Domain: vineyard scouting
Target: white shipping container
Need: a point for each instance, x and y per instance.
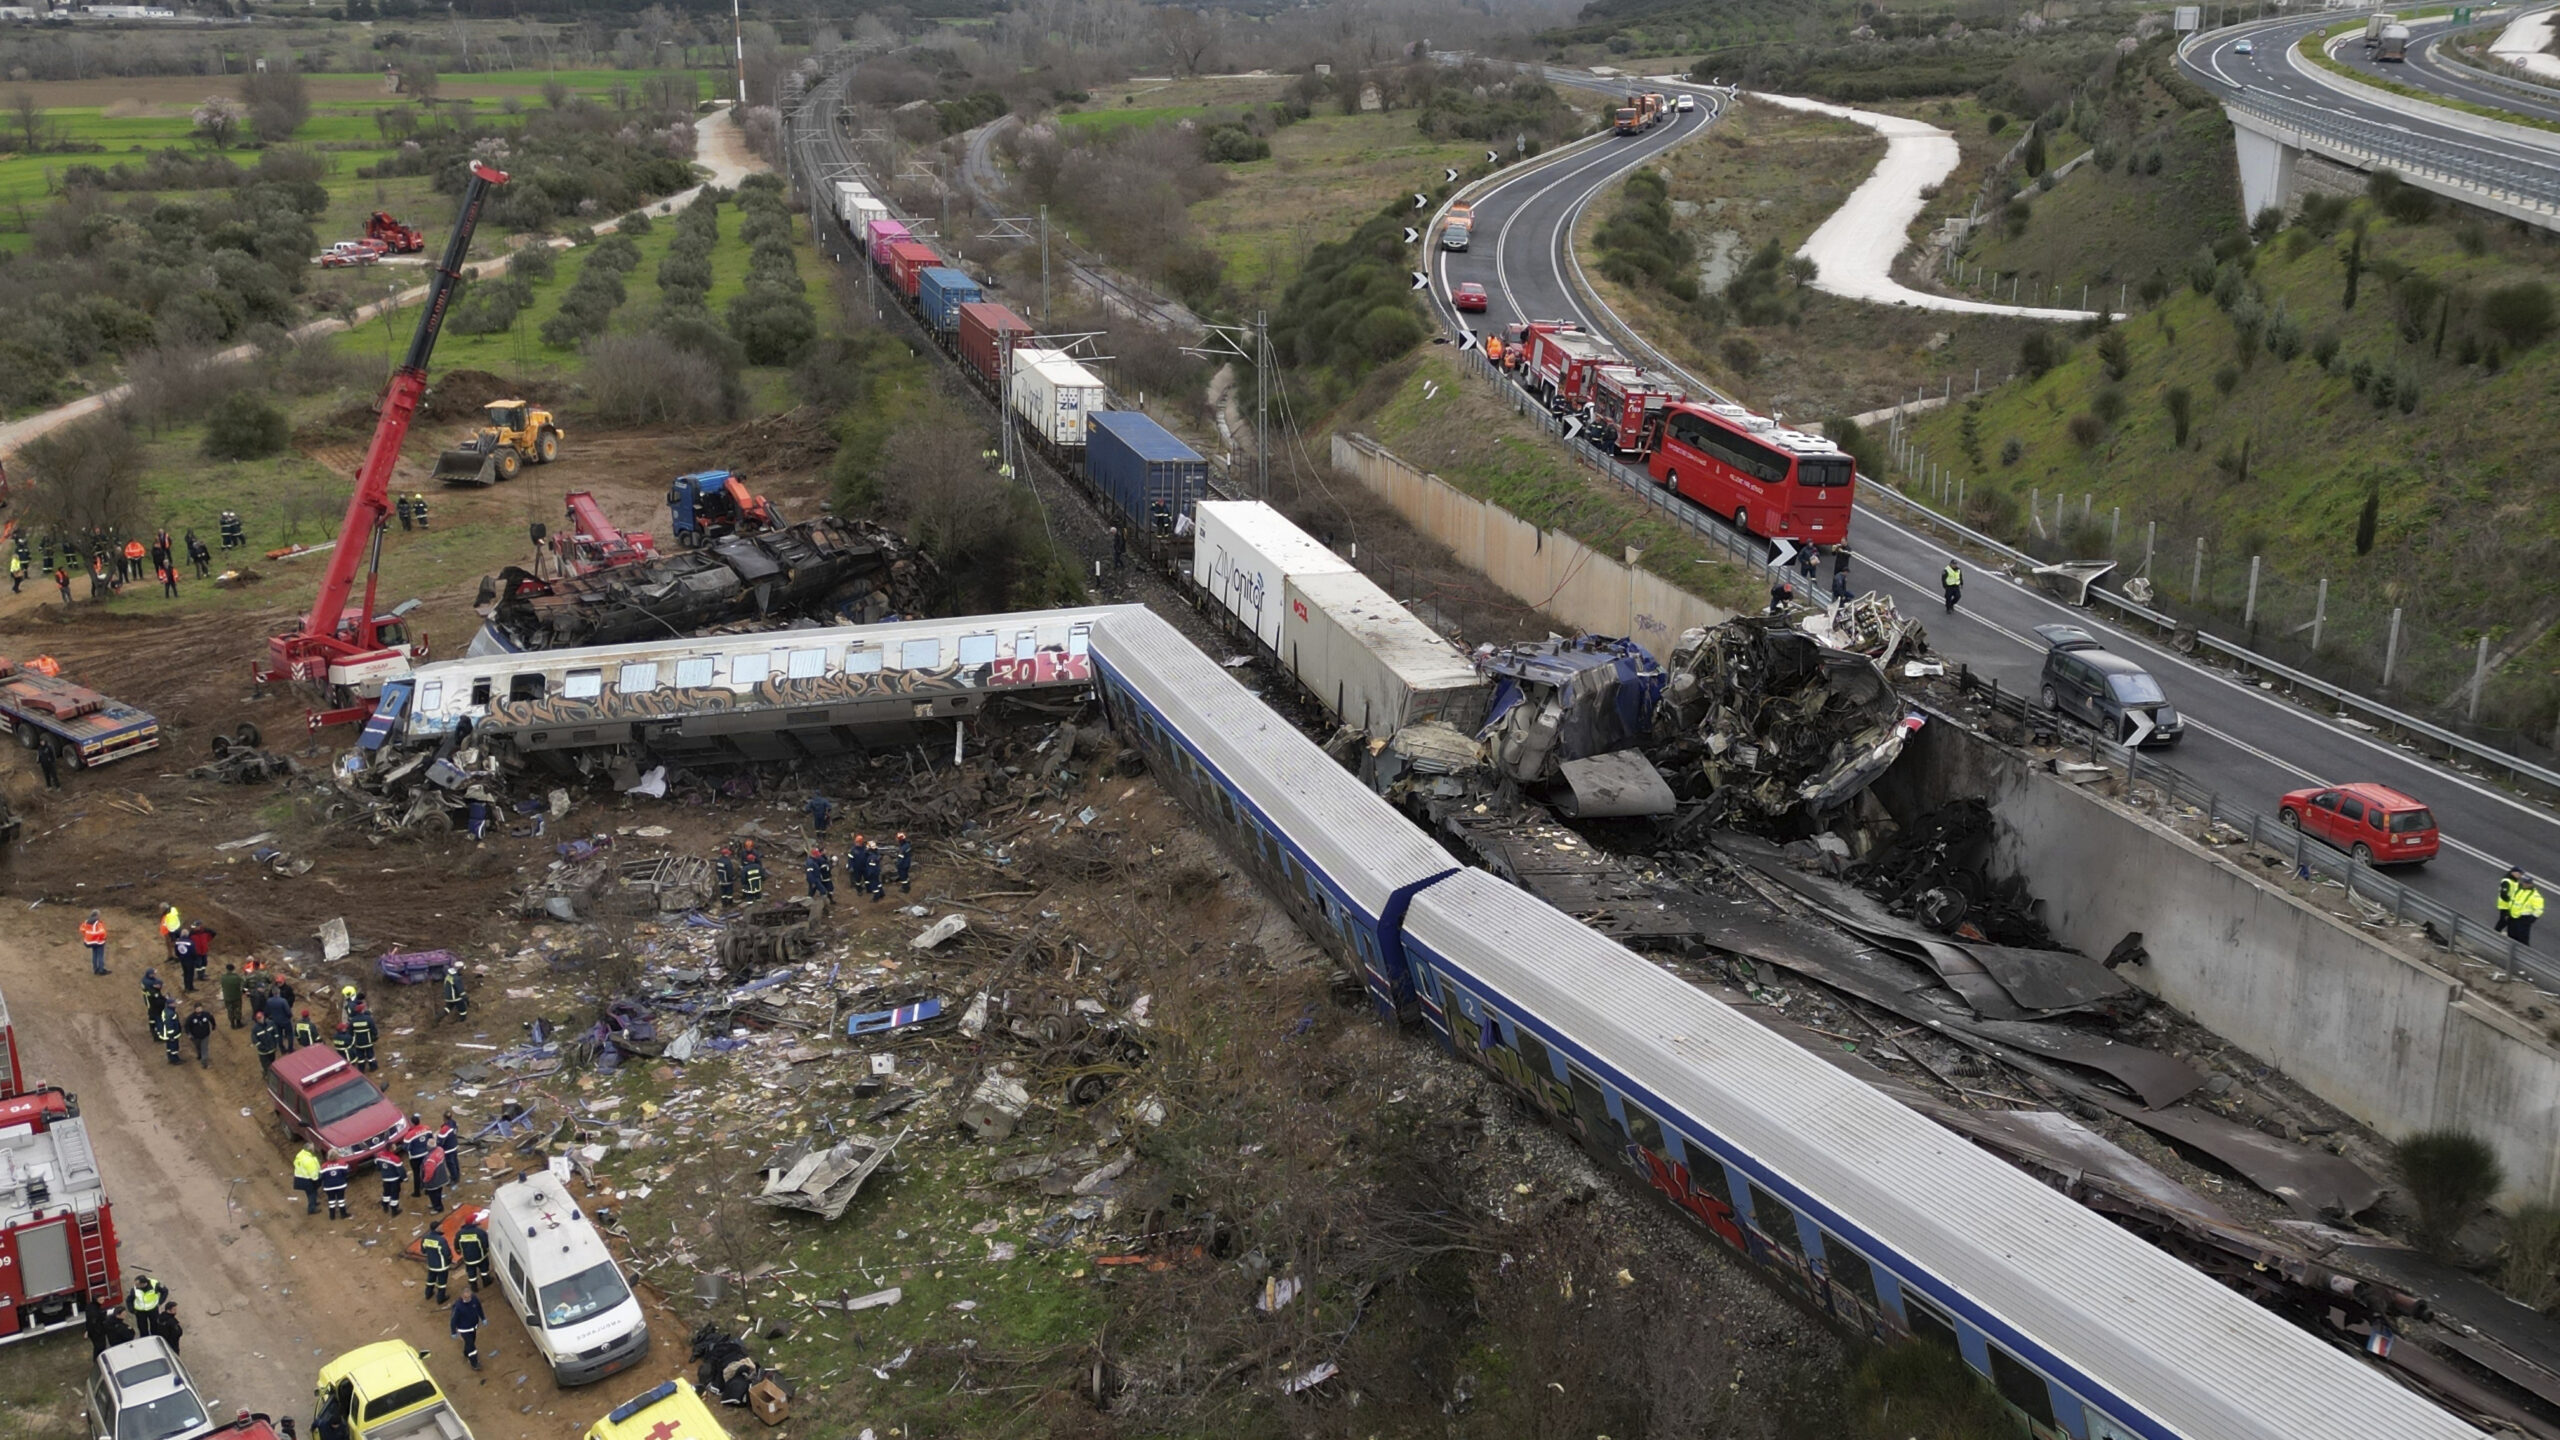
(848, 194)
(1243, 556)
(1371, 662)
(1055, 393)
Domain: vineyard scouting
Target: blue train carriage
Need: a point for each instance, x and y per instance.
(1866, 1209)
(1340, 859)
(1146, 472)
(940, 292)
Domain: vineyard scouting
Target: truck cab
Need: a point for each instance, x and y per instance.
(383, 1392)
(328, 1104)
(562, 1280)
(673, 1409)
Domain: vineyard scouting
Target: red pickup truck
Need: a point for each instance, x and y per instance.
(329, 1103)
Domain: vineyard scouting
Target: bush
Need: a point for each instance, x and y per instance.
(2012, 450)
(534, 263)
(635, 223)
(244, 427)
(648, 379)
(1234, 145)
(2040, 352)
(2115, 354)
(2226, 380)
(2181, 405)
(2087, 430)
(1740, 353)
(2399, 199)
(2321, 214)
(2529, 1266)
(486, 309)
(2324, 349)
(2108, 404)
(2369, 519)
(2449, 1175)
(772, 326)
(2521, 312)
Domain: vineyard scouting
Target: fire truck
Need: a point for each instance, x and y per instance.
(1624, 404)
(1561, 362)
(57, 1231)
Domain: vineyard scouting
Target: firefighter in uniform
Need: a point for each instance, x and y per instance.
(449, 1140)
(305, 1032)
(343, 1040)
(263, 1035)
(165, 1030)
(471, 1245)
(457, 1001)
(388, 1167)
(467, 1316)
(906, 860)
(439, 1258)
(306, 1178)
(724, 874)
(821, 874)
(420, 1144)
(751, 876)
(434, 1173)
(418, 507)
(872, 868)
(361, 1037)
(333, 1187)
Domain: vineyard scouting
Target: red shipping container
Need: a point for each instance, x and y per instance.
(983, 327)
(908, 260)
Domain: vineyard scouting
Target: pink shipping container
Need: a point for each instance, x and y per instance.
(877, 235)
(983, 327)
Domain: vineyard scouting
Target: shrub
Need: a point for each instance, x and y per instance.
(2369, 518)
(2108, 404)
(648, 379)
(2529, 1266)
(244, 427)
(684, 272)
(2521, 312)
(2399, 199)
(485, 310)
(774, 326)
(2324, 349)
(2181, 405)
(2015, 215)
(536, 262)
(2321, 214)
(1234, 145)
(1740, 353)
(635, 223)
(2226, 380)
(2115, 354)
(2087, 430)
(2449, 1175)
(2040, 352)
(2011, 450)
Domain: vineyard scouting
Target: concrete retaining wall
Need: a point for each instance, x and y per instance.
(1547, 569)
(2390, 1040)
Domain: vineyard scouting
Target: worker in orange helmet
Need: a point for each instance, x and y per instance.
(906, 861)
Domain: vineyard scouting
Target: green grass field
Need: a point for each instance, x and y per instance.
(1103, 122)
(1326, 174)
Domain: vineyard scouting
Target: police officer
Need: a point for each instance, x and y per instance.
(471, 1246)
(165, 1030)
(333, 1186)
(1952, 582)
(2508, 885)
(362, 1034)
(820, 871)
(262, 1034)
(724, 874)
(467, 1316)
(457, 1001)
(306, 1178)
(751, 875)
(200, 1032)
(147, 1302)
(2526, 908)
(906, 861)
(388, 1167)
(305, 1031)
(420, 1144)
(439, 1257)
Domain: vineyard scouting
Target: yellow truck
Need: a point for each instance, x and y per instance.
(673, 1411)
(383, 1392)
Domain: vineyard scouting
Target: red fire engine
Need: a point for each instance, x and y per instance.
(57, 1233)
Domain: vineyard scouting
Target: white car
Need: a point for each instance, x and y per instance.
(139, 1391)
(1685, 102)
(2245, 47)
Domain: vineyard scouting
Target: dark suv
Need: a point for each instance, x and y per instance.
(2105, 690)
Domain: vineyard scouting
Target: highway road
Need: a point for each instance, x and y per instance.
(2219, 66)
(2248, 744)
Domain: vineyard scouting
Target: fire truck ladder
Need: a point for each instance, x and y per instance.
(80, 1166)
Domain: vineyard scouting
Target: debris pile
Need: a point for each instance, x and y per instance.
(1560, 700)
(1760, 720)
(1937, 871)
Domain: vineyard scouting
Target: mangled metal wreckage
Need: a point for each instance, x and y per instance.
(1760, 721)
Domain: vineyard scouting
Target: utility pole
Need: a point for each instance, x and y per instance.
(1044, 266)
(738, 36)
(1262, 396)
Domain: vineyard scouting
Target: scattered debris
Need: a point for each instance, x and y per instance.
(1759, 719)
(824, 1181)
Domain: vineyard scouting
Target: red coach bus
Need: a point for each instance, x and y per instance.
(1766, 478)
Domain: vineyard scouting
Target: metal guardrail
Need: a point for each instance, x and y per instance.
(2312, 859)
(2418, 157)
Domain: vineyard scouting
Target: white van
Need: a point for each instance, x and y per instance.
(561, 1278)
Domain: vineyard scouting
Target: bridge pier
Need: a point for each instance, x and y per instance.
(2286, 148)
(2269, 154)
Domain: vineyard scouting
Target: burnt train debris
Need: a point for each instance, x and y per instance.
(1760, 720)
(853, 571)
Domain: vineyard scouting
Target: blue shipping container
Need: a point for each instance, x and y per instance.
(941, 291)
(1139, 464)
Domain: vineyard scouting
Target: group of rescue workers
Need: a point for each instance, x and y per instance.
(738, 872)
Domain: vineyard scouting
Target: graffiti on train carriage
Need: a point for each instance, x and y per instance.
(1048, 667)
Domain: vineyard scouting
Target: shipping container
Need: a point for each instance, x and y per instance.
(907, 262)
(858, 207)
(941, 291)
(1151, 476)
(878, 236)
(984, 328)
(1370, 662)
(1243, 556)
(1055, 394)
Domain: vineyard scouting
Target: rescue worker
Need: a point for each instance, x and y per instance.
(724, 876)
(49, 760)
(119, 1329)
(434, 1174)
(233, 991)
(305, 1032)
(2526, 909)
(133, 553)
(751, 875)
(93, 933)
(457, 1000)
(343, 1040)
(1493, 350)
(95, 1317)
(362, 1034)
(418, 507)
(232, 531)
(263, 1036)
(182, 948)
(2508, 885)
(820, 872)
(260, 985)
(471, 1246)
(1952, 582)
(170, 928)
(168, 582)
(165, 1029)
(17, 572)
(280, 1010)
(821, 811)
(1781, 595)
(1160, 516)
(147, 1302)
(306, 1177)
(906, 861)
(420, 1144)
(200, 1032)
(389, 1168)
(333, 1186)
(467, 1316)
(438, 1254)
(201, 557)
(202, 935)
(349, 998)
(402, 509)
(1119, 549)
(62, 584)
(152, 999)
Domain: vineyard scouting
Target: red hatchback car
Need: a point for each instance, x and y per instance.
(1469, 296)
(2375, 823)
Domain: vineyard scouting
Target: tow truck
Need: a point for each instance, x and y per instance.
(711, 504)
(90, 728)
(593, 542)
(348, 651)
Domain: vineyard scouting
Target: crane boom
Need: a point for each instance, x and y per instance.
(330, 641)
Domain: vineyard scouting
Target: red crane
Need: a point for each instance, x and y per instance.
(351, 651)
(596, 543)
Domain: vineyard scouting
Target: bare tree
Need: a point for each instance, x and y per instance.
(1186, 36)
(84, 479)
(939, 481)
(26, 114)
(278, 100)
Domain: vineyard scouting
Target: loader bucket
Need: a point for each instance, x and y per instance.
(467, 466)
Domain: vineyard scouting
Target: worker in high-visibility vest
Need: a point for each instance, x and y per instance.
(93, 933)
(2508, 885)
(170, 927)
(2523, 911)
(306, 1178)
(1952, 582)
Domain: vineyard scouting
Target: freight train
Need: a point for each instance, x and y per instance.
(1754, 470)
